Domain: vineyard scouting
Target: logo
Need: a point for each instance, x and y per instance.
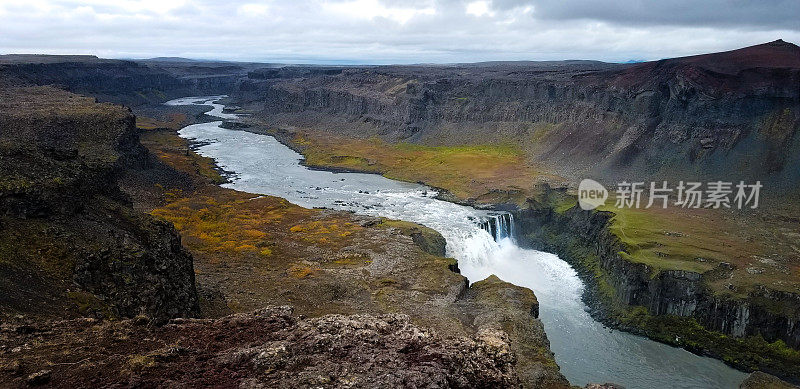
(591, 194)
(687, 194)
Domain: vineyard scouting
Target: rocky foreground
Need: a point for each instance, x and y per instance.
(268, 348)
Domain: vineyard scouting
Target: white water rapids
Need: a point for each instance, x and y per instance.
(585, 350)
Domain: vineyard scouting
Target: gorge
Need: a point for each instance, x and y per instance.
(259, 164)
(486, 155)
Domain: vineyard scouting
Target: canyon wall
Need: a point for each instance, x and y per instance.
(71, 242)
(725, 116)
(120, 81)
(674, 306)
(669, 292)
(691, 118)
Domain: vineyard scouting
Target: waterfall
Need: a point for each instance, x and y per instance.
(499, 226)
(511, 228)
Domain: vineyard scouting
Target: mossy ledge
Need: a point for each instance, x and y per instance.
(757, 332)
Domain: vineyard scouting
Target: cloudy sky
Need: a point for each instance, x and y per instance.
(382, 31)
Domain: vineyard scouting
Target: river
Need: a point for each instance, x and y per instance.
(585, 350)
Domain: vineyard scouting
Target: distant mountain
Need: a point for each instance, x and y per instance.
(775, 54)
(170, 59)
(49, 58)
(770, 56)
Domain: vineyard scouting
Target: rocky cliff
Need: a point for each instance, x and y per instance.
(120, 81)
(673, 306)
(691, 117)
(71, 242)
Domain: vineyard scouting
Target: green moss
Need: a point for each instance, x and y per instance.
(543, 197)
(750, 353)
(404, 226)
(15, 184)
(780, 125)
(140, 362)
(466, 171)
(563, 206)
(443, 151)
(541, 130)
(89, 304)
(672, 244)
(347, 161)
(427, 239)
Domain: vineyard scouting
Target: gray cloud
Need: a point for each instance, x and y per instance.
(381, 31)
(775, 14)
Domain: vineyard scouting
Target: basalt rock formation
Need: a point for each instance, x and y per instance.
(693, 116)
(71, 243)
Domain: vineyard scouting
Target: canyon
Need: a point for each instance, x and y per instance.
(510, 136)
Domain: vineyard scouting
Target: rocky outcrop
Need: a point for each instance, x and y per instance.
(267, 348)
(71, 242)
(144, 270)
(493, 304)
(759, 380)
